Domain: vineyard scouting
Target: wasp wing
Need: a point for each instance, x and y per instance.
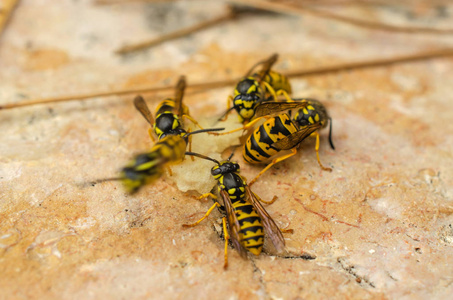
(141, 106)
(271, 229)
(179, 94)
(266, 66)
(267, 108)
(233, 224)
(294, 139)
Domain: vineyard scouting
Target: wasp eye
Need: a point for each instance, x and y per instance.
(215, 171)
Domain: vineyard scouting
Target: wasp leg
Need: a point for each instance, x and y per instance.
(207, 195)
(271, 90)
(151, 134)
(192, 120)
(204, 217)
(190, 145)
(227, 237)
(277, 160)
(287, 230)
(267, 202)
(169, 171)
(225, 116)
(317, 154)
(285, 94)
(245, 127)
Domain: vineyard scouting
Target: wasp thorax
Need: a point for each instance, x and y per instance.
(166, 122)
(244, 85)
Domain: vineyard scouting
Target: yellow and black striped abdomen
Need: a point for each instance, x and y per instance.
(251, 231)
(258, 147)
(168, 105)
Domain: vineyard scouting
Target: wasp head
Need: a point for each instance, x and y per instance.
(223, 168)
(177, 131)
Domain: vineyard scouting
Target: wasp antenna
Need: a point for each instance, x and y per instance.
(234, 150)
(92, 183)
(224, 114)
(203, 157)
(203, 130)
(330, 134)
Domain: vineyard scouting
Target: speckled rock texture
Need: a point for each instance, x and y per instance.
(378, 226)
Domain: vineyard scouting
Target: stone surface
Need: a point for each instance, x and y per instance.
(379, 225)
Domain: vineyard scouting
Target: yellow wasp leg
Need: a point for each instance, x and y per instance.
(284, 93)
(271, 90)
(207, 195)
(151, 134)
(227, 237)
(229, 100)
(287, 230)
(266, 202)
(245, 127)
(169, 171)
(317, 154)
(204, 217)
(192, 120)
(277, 160)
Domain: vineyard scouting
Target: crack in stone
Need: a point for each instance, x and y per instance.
(390, 275)
(350, 270)
(305, 256)
(262, 283)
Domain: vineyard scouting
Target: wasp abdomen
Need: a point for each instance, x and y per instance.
(258, 146)
(252, 232)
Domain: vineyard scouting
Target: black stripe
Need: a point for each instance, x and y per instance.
(165, 108)
(255, 146)
(248, 156)
(251, 220)
(280, 127)
(255, 238)
(247, 208)
(256, 247)
(253, 229)
(264, 137)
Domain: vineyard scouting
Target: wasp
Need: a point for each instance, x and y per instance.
(169, 113)
(248, 221)
(255, 87)
(172, 140)
(282, 132)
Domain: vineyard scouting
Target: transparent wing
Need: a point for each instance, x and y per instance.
(266, 66)
(233, 224)
(271, 107)
(294, 139)
(141, 106)
(271, 229)
(179, 95)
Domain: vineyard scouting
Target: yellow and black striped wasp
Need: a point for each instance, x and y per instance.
(172, 140)
(169, 113)
(283, 133)
(257, 87)
(280, 132)
(248, 221)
